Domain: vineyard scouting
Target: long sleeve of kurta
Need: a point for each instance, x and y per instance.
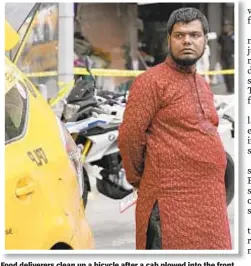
(143, 103)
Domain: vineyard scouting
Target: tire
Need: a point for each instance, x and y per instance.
(85, 196)
(229, 179)
(86, 188)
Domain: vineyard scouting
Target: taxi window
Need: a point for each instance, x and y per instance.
(15, 111)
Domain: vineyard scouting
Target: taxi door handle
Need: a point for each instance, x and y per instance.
(25, 190)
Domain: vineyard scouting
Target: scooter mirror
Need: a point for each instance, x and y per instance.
(88, 63)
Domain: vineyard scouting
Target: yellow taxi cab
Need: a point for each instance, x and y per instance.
(43, 172)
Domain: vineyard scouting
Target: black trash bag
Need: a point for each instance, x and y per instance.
(111, 190)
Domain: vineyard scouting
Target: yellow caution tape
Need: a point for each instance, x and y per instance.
(65, 87)
(119, 73)
(61, 94)
(108, 72)
(61, 83)
(218, 72)
(134, 73)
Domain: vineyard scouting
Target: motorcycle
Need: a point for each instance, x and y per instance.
(225, 107)
(96, 131)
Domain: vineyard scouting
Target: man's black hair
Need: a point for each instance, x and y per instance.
(186, 15)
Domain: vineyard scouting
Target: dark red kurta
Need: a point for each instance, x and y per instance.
(171, 150)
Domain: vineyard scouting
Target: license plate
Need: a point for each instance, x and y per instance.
(128, 201)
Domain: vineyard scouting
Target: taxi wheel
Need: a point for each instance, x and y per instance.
(61, 246)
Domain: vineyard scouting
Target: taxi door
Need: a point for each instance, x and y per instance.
(23, 195)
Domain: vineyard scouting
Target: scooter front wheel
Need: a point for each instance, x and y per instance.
(86, 188)
(229, 179)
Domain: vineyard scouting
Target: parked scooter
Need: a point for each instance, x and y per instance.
(83, 101)
(97, 132)
(225, 107)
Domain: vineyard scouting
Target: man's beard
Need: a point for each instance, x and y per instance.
(185, 62)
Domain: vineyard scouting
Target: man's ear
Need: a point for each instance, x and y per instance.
(168, 41)
(206, 39)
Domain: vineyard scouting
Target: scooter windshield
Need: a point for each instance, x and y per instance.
(82, 91)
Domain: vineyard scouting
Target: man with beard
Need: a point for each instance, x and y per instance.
(171, 150)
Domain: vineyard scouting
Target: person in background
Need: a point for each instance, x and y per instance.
(203, 64)
(171, 150)
(226, 41)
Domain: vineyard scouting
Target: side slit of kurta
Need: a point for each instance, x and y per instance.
(154, 234)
